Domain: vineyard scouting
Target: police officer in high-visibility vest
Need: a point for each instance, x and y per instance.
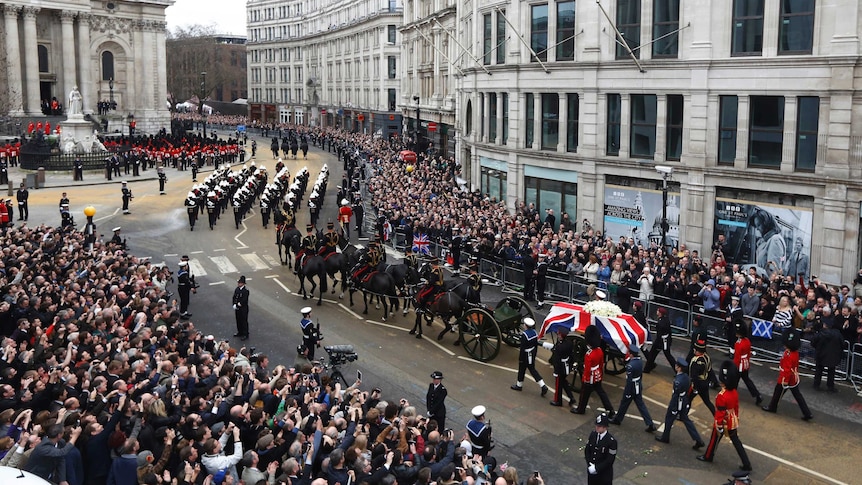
(527, 357)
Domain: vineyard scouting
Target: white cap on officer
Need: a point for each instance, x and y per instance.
(529, 322)
(305, 310)
(116, 229)
(344, 202)
(478, 411)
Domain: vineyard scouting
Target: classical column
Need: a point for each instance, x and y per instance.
(161, 70)
(486, 116)
(31, 62)
(563, 117)
(537, 121)
(85, 80)
(13, 58)
(146, 75)
(499, 138)
(68, 32)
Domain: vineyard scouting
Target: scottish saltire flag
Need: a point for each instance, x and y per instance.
(421, 245)
(620, 331)
(761, 328)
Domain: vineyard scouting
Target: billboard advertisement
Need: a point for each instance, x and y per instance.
(771, 237)
(634, 212)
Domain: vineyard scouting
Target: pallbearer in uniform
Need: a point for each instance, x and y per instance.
(634, 390)
(527, 357)
(594, 371)
(561, 360)
(727, 416)
(699, 372)
(742, 360)
(679, 405)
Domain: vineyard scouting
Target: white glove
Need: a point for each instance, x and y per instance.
(234, 306)
(592, 469)
(548, 345)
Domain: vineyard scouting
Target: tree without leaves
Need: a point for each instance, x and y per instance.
(191, 51)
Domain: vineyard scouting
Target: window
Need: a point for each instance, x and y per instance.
(664, 28)
(612, 146)
(494, 183)
(796, 31)
(500, 44)
(469, 116)
(629, 25)
(747, 28)
(391, 98)
(392, 68)
(539, 31)
(673, 148)
(43, 58)
(550, 121)
(727, 123)
(505, 107)
(766, 131)
(390, 34)
(566, 31)
(643, 125)
(487, 39)
(551, 194)
(530, 118)
(492, 117)
(573, 104)
(807, 121)
(107, 65)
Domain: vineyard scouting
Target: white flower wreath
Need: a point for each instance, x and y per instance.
(603, 308)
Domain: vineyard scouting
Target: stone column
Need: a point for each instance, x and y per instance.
(67, 17)
(486, 116)
(85, 81)
(31, 62)
(563, 130)
(147, 74)
(499, 139)
(13, 58)
(537, 121)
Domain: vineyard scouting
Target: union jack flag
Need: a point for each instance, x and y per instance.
(421, 245)
(618, 331)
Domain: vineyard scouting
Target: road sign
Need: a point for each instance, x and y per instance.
(432, 126)
(360, 117)
(323, 111)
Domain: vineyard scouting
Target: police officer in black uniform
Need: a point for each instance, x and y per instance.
(127, 197)
(541, 279)
(600, 453)
(194, 170)
(435, 399)
(184, 288)
(23, 208)
(79, 169)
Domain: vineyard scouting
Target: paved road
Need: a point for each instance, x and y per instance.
(530, 434)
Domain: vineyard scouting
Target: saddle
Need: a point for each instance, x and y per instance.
(326, 258)
(367, 277)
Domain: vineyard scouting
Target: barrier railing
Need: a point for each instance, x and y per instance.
(855, 366)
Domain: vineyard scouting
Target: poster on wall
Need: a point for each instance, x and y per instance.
(635, 213)
(770, 237)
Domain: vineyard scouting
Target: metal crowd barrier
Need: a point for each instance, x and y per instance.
(855, 366)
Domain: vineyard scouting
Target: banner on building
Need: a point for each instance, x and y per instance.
(636, 213)
(770, 237)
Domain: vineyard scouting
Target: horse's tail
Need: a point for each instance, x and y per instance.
(321, 273)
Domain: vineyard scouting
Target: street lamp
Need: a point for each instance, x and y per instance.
(90, 228)
(416, 128)
(111, 91)
(666, 173)
(203, 97)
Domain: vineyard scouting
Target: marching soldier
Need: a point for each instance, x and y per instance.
(435, 399)
(634, 390)
(309, 334)
(560, 358)
(699, 371)
(194, 170)
(237, 210)
(163, 178)
(264, 210)
(788, 376)
(330, 240)
(594, 365)
(662, 342)
(600, 453)
(184, 288)
(527, 357)
(212, 208)
(127, 197)
(192, 209)
(742, 360)
(344, 215)
(726, 416)
(679, 405)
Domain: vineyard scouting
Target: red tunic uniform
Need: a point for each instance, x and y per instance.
(344, 214)
(727, 409)
(742, 354)
(788, 373)
(594, 366)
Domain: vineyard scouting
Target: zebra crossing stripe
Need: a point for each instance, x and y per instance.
(196, 268)
(224, 265)
(272, 260)
(254, 261)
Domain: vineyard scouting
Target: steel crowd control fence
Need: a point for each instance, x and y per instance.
(855, 367)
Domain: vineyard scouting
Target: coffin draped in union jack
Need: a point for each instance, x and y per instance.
(620, 331)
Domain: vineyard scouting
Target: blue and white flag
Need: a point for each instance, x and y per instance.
(761, 328)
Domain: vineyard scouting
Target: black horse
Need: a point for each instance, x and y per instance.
(378, 283)
(311, 266)
(406, 278)
(287, 237)
(338, 264)
(467, 297)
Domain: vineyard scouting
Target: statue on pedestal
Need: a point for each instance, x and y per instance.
(76, 103)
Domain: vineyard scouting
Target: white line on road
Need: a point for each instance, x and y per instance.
(116, 211)
(216, 283)
(254, 261)
(217, 250)
(271, 260)
(282, 286)
(196, 268)
(348, 310)
(196, 252)
(236, 238)
(224, 264)
(794, 465)
(172, 255)
(272, 276)
(508, 369)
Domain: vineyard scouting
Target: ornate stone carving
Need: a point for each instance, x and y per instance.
(99, 23)
(84, 18)
(31, 12)
(66, 16)
(11, 10)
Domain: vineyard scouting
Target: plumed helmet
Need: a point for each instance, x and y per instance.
(728, 375)
(792, 338)
(592, 336)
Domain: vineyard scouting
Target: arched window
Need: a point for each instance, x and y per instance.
(107, 65)
(43, 58)
(469, 127)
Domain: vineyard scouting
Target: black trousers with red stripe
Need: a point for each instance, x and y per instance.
(734, 438)
(561, 385)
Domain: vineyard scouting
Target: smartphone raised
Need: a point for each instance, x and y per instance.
(359, 375)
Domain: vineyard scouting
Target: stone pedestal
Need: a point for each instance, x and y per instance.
(78, 136)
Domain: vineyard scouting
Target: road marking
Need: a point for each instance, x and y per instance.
(348, 310)
(172, 255)
(236, 238)
(217, 283)
(196, 252)
(217, 250)
(282, 286)
(254, 261)
(224, 264)
(117, 210)
(794, 465)
(271, 260)
(272, 276)
(196, 268)
(509, 369)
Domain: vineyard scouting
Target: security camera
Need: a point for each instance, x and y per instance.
(664, 169)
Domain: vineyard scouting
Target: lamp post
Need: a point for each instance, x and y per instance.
(203, 97)
(111, 91)
(90, 228)
(666, 173)
(416, 127)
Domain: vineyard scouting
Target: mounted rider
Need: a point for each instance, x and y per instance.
(433, 287)
(368, 263)
(475, 279)
(330, 240)
(307, 247)
(410, 258)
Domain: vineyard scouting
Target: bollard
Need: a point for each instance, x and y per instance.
(10, 192)
(40, 178)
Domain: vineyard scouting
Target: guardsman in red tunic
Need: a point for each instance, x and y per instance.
(742, 361)
(726, 418)
(593, 373)
(788, 376)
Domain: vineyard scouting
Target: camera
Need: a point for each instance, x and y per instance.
(340, 354)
